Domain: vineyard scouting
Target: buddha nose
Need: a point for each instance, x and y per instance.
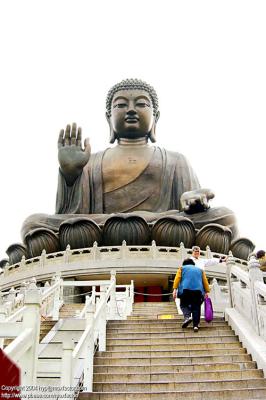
(131, 111)
(131, 108)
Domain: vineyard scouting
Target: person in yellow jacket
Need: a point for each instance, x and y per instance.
(192, 287)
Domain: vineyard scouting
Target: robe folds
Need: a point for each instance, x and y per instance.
(158, 187)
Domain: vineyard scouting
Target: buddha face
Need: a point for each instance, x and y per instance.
(132, 114)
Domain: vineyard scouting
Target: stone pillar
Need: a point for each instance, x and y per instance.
(31, 319)
(254, 275)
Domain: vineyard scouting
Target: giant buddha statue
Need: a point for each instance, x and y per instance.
(134, 191)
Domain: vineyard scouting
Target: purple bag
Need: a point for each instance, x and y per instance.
(208, 310)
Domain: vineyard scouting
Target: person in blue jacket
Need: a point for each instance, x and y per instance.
(193, 286)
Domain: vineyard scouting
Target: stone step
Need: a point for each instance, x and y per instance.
(147, 304)
(185, 386)
(174, 346)
(70, 310)
(185, 333)
(228, 394)
(165, 368)
(182, 376)
(162, 322)
(192, 339)
(154, 309)
(165, 310)
(176, 328)
(195, 352)
(155, 316)
(154, 306)
(183, 361)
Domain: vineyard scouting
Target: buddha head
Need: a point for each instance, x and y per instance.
(132, 110)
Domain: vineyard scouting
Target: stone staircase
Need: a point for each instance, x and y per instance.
(46, 326)
(149, 356)
(70, 310)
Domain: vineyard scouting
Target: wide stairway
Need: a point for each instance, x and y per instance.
(149, 356)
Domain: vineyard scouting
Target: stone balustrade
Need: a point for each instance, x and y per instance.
(95, 260)
(23, 325)
(247, 310)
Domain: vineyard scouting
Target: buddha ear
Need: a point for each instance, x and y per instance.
(113, 137)
(152, 134)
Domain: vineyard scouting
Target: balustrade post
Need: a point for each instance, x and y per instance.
(124, 250)
(31, 319)
(57, 301)
(22, 289)
(67, 362)
(2, 316)
(255, 274)
(95, 251)
(154, 250)
(128, 301)
(42, 258)
(112, 303)
(93, 294)
(182, 254)
(67, 254)
(230, 262)
(89, 352)
(102, 328)
(12, 297)
(131, 296)
(208, 253)
(22, 262)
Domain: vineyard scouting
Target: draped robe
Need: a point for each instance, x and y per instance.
(158, 187)
(153, 193)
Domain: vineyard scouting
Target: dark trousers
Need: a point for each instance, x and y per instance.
(190, 303)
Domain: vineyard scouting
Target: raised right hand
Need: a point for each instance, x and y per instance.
(72, 157)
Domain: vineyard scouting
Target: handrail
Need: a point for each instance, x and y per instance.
(104, 300)
(17, 314)
(81, 341)
(50, 291)
(20, 344)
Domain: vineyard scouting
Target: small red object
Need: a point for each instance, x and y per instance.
(9, 378)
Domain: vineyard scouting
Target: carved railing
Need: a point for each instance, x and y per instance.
(247, 292)
(12, 301)
(247, 310)
(24, 327)
(125, 259)
(94, 334)
(22, 324)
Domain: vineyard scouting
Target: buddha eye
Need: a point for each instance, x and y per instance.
(142, 104)
(120, 105)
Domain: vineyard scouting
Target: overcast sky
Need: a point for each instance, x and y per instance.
(206, 59)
